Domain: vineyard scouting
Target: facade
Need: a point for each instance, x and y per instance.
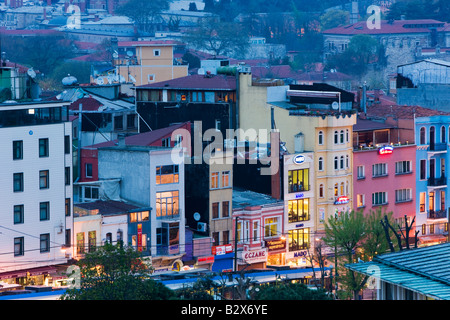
(432, 136)
(36, 168)
(155, 180)
(384, 171)
(259, 226)
(148, 62)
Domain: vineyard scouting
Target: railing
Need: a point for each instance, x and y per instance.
(298, 188)
(438, 147)
(435, 182)
(440, 214)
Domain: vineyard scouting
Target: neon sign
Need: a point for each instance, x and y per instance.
(386, 150)
(342, 200)
(299, 159)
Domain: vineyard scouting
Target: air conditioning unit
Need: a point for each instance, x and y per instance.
(201, 226)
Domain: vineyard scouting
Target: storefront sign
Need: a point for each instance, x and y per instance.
(139, 237)
(386, 150)
(299, 159)
(205, 260)
(255, 256)
(342, 200)
(300, 254)
(221, 250)
(273, 245)
(299, 195)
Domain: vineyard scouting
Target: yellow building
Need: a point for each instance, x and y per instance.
(144, 62)
(318, 121)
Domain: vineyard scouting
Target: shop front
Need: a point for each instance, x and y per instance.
(276, 252)
(252, 259)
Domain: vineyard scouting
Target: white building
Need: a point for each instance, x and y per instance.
(36, 219)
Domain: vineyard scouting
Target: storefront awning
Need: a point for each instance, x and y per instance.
(23, 273)
(432, 238)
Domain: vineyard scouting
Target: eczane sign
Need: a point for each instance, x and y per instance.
(255, 256)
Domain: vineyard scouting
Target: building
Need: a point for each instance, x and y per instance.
(384, 170)
(36, 220)
(259, 226)
(432, 136)
(149, 62)
(150, 177)
(415, 274)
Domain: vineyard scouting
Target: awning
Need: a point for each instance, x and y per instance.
(432, 238)
(23, 273)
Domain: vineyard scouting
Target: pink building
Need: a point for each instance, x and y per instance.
(383, 171)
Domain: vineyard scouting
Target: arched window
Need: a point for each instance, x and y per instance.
(347, 135)
(432, 138)
(341, 137)
(320, 137)
(342, 162)
(342, 189)
(321, 191)
(320, 164)
(336, 137)
(422, 139)
(336, 163)
(336, 189)
(347, 163)
(443, 134)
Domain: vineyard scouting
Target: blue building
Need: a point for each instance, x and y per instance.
(432, 136)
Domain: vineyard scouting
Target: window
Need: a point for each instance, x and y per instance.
(342, 162)
(321, 195)
(360, 174)
(108, 238)
(215, 210)
(68, 207)
(298, 210)
(167, 174)
(197, 96)
(131, 120)
(17, 150)
(67, 176)
(256, 231)
(216, 238)
(336, 137)
(18, 182)
(90, 193)
(165, 142)
(156, 52)
(139, 216)
(347, 162)
(379, 198)
(19, 249)
(422, 198)
(402, 167)
(225, 209)
(271, 227)
(225, 181)
(360, 201)
(18, 214)
(118, 122)
(423, 169)
(336, 163)
(88, 173)
(167, 204)
(45, 242)
(214, 180)
(298, 239)
(403, 195)
(43, 148)
(44, 179)
(320, 138)
(379, 170)
(92, 239)
(424, 229)
(80, 243)
(67, 144)
(151, 78)
(298, 180)
(44, 211)
(68, 237)
(341, 137)
(347, 135)
(443, 134)
(320, 164)
(422, 138)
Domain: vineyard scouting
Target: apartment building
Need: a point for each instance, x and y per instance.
(36, 170)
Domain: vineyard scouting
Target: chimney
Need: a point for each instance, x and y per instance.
(299, 142)
(121, 140)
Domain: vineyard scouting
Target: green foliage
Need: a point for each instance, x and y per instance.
(333, 18)
(288, 291)
(113, 272)
(420, 9)
(144, 13)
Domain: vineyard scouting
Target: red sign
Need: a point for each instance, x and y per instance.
(139, 237)
(342, 200)
(208, 259)
(223, 249)
(386, 150)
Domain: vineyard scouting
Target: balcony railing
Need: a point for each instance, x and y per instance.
(436, 182)
(298, 188)
(438, 147)
(440, 214)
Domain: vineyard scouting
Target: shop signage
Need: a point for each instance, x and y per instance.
(299, 195)
(221, 250)
(139, 237)
(300, 225)
(255, 256)
(300, 254)
(203, 260)
(273, 245)
(299, 159)
(386, 150)
(342, 200)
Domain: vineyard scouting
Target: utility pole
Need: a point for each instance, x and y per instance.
(235, 244)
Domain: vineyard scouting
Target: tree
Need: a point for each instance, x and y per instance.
(114, 272)
(144, 13)
(288, 291)
(333, 18)
(221, 38)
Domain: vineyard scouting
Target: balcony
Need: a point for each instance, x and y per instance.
(440, 214)
(437, 182)
(437, 147)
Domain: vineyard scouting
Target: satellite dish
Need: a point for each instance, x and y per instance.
(335, 105)
(31, 73)
(130, 53)
(115, 55)
(99, 81)
(196, 216)
(201, 71)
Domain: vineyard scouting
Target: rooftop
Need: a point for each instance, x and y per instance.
(246, 198)
(424, 270)
(369, 125)
(388, 27)
(107, 207)
(401, 112)
(196, 82)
